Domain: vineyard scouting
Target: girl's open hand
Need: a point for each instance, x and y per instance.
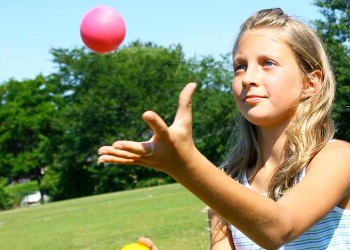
(169, 147)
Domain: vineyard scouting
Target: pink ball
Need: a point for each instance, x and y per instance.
(102, 29)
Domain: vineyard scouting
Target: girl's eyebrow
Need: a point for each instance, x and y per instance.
(239, 58)
(269, 55)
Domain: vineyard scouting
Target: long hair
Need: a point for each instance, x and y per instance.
(311, 127)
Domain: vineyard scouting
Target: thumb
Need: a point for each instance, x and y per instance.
(184, 110)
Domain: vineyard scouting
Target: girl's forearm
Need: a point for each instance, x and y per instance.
(257, 216)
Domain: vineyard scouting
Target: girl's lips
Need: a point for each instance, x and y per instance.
(253, 98)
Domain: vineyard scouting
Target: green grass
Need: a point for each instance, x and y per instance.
(169, 214)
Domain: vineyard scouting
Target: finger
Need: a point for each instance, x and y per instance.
(147, 242)
(184, 111)
(116, 160)
(156, 123)
(138, 148)
(109, 150)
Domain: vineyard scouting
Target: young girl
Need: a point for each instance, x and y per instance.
(286, 182)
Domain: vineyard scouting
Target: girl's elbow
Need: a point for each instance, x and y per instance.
(280, 236)
(272, 244)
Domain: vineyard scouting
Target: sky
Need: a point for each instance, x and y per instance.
(30, 28)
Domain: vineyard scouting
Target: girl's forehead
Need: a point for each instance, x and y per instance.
(262, 41)
(274, 36)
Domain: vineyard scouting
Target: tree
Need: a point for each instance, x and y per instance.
(106, 95)
(334, 29)
(27, 130)
(214, 110)
(58, 122)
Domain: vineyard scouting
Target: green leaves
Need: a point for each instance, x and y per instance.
(60, 121)
(26, 113)
(109, 93)
(334, 28)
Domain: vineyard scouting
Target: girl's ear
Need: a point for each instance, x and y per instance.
(312, 83)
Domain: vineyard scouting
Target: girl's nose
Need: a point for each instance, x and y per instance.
(251, 77)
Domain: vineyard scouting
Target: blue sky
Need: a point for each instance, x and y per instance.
(29, 28)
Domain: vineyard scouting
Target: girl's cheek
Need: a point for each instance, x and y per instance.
(236, 90)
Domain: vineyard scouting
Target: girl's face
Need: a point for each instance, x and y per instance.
(268, 82)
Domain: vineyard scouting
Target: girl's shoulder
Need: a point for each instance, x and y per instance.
(335, 155)
(336, 147)
(338, 142)
(331, 167)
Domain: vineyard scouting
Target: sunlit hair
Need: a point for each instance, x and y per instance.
(311, 127)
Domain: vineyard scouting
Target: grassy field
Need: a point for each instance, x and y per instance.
(169, 214)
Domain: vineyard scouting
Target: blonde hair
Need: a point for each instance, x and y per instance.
(311, 127)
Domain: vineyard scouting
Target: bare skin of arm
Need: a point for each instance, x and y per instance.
(325, 185)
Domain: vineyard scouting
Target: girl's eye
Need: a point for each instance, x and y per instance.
(269, 63)
(239, 67)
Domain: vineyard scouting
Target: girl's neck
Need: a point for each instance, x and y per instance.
(271, 144)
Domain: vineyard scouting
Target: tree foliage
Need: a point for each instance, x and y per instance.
(105, 97)
(27, 130)
(334, 29)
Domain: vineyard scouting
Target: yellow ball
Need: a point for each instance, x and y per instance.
(135, 246)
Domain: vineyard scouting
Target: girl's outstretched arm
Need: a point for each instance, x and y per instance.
(268, 223)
